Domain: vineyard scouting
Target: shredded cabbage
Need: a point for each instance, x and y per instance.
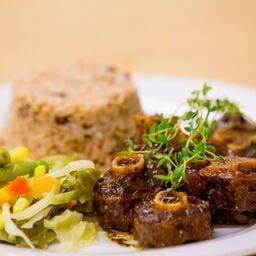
(82, 181)
(57, 161)
(11, 228)
(72, 232)
(6, 238)
(40, 215)
(35, 208)
(71, 167)
(64, 198)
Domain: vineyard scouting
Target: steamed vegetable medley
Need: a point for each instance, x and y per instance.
(46, 200)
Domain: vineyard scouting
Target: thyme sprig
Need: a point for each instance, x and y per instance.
(173, 152)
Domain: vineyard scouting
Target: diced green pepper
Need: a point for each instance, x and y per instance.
(12, 170)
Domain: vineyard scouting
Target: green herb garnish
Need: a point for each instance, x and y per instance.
(177, 142)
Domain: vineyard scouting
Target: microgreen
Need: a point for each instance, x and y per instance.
(175, 153)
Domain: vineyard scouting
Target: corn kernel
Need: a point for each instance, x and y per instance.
(20, 205)
(40, 171)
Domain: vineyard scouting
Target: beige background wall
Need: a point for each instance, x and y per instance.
(204, 38)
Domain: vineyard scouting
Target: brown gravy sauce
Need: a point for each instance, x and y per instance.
(124, 239)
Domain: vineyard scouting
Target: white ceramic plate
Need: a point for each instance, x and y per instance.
(163, 95)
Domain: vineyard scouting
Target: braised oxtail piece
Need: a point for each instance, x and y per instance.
(171, 218)
(235, 135)
(230, 187)
(143, 124)
(121, 188)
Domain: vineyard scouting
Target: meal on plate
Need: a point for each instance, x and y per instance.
(167, 184)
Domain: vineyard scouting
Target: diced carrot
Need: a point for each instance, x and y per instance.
(18, 187)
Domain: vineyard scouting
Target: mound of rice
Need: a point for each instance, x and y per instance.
(81, 109)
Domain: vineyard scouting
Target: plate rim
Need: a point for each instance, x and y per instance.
(249, 232)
